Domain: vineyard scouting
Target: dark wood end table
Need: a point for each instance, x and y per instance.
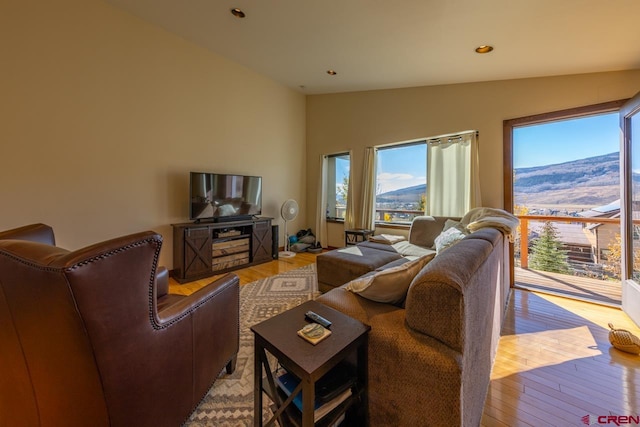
(308, 362)
(352, 237)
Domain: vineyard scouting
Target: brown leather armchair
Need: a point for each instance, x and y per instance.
(91, 337)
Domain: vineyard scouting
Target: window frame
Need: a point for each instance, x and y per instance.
(507, 148)
(420, 141)
(331, 190)
(509, 125)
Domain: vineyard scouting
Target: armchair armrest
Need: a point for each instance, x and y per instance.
(225, 290)
(162, 282)
(40, 233)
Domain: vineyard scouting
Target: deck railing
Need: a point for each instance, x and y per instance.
(389, 216)
(398, 216)
(595, 251)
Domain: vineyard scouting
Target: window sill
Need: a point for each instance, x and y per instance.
(393, 226)
(335, 220)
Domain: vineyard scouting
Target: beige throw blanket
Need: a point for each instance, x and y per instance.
(478, 218)
(388, 239)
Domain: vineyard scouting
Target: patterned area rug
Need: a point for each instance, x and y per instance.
(229, 403)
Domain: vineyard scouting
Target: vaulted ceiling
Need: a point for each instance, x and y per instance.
(380, 44)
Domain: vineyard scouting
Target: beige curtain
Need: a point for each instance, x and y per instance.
(321, 204)
(453, 184)
(349, 216)
(367, 217)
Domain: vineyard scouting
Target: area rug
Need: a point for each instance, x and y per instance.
(229, 403)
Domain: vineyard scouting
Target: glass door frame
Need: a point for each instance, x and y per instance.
(507, 151)
(630, 288)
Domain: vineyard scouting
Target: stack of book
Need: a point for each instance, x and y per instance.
(331, 390)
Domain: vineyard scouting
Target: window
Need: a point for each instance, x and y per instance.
(401, 182)
(337, 185)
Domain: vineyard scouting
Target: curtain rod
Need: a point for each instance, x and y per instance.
(450, 137)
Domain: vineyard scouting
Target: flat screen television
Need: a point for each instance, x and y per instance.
(221, 197)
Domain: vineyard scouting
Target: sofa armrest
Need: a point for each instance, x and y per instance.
(40, 233)
(436, 299)
(355, 306)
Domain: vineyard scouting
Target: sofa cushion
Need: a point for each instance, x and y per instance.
(448, 238)
(394, 263)
(377, 246)
(424, 229)
(389, 285)
(451, 223)
(403, 248)
(407, 249)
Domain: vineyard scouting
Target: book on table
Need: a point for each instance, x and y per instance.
(325, 401)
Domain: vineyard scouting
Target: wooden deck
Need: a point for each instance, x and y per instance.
(583, 288)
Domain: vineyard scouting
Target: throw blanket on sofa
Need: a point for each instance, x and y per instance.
(387, 239)
(478, 218)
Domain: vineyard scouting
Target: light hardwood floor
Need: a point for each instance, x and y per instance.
(554, 363)
(250, 274)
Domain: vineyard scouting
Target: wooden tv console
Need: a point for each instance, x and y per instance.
(203, 249)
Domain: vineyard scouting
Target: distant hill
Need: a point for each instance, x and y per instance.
(589, 182)
(403, 195)
(586, 182)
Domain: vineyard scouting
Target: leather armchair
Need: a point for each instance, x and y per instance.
(92, 337)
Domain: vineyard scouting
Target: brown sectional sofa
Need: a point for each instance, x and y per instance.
(430, 358)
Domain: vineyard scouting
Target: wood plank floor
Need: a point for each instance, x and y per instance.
(554, 363)
(601, 291)
(250, 274)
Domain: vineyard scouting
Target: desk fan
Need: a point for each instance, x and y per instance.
(288, 211)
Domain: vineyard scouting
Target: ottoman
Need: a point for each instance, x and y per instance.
(340, 266)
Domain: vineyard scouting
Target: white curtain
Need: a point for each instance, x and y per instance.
(349, 216)
(321, 204)
(367, 218)
(453, 184)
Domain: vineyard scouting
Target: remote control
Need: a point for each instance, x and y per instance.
(314, 317)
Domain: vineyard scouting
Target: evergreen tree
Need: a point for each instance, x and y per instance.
(547, 253)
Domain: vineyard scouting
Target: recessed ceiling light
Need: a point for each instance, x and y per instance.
(332, 72)
(238, 13)
(484, 49)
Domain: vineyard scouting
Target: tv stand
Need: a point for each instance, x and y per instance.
(202, 249)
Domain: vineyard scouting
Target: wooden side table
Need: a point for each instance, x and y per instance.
(308, 362)
(352, 237)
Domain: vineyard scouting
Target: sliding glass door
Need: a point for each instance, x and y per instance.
(630, 148)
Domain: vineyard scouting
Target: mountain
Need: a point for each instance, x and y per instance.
(403, 195)
(585, 182)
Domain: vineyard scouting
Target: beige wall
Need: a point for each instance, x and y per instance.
(103, 116)
(339, 122)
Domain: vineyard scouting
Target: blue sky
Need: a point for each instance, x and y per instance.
(401, 167)
(565, 140)
(536, 145)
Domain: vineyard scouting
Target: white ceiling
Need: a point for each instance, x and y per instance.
(380, 44)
